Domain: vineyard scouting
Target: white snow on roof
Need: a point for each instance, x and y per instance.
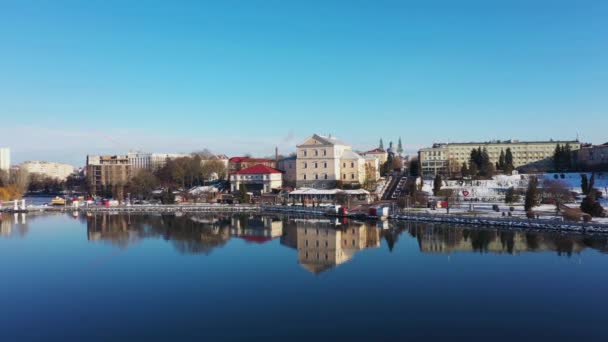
(349, 154)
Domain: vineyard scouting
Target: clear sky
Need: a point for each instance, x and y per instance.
(237, 77)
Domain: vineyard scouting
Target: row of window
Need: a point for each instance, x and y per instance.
(314, 152)
(315, 165)
(316, 176)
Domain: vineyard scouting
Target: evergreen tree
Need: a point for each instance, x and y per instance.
(501, 161)
(591, 206)
(486, 168)
(508, 168)
(414, 168)
(381, 146)
(437, 185)
(511, 196)
(531, 194)
(591, 183)
(464, 170)
(567, 157)
(584, 184)
(388, 168)
(399, 147)
(473, 169)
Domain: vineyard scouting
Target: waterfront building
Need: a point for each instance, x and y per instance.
(593, 157)
(239, 163)
(447, 158)
(5, 159)
(258, 179)
(323, 161)
(288, 166)
(108, 171)
(48, 169)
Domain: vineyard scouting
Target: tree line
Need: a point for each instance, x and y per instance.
(481, 166)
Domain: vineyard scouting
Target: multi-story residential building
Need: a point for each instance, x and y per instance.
(48, 169)
(238, 163)
(377, 153)
(258, 179)
(447, 158)
(5, 159)
(107, 171)
(593, 157)
(322, 161)
(152, 161)
(288, 166)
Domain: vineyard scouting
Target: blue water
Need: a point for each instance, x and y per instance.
(253, 277)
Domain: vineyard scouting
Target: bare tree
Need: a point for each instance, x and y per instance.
(20, 179)
(556, 192)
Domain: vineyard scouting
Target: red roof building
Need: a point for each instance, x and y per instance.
(238, 163)
(258, 179)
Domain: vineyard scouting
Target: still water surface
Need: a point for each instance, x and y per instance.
(117, 277)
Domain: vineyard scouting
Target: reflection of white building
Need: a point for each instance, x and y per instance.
(48, 169)
(5, 227)
(321, 247)
(260, 229)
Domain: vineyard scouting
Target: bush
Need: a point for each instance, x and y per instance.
(572, 215)
(591, 206)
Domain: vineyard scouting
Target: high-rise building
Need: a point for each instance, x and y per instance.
(5, 158)
(108, 172)
(48, 169)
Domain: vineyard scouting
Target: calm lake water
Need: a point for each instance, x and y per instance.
(118, 277)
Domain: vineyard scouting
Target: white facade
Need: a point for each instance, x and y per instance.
(257, 179)
(48, 169)
(5, 158)
(152, 161)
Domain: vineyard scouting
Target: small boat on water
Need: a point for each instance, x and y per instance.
(58, 201)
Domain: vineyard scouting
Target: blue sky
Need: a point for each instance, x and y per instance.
(237, 77)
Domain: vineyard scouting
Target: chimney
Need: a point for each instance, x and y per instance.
(276, 154)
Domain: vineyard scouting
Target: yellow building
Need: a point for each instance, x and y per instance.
(322, 161)
(527, 155)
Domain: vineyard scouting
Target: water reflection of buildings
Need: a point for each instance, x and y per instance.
(257, 229)
(322, 245)
(6, 226)
(10, 221)
(442, 239)
(116, 229)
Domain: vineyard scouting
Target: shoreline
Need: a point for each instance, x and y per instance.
(550, 225)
